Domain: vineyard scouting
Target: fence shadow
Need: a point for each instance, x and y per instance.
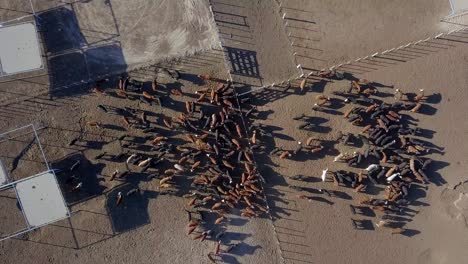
(243, 62)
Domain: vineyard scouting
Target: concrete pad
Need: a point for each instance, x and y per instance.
(19, 49)
(41, 200)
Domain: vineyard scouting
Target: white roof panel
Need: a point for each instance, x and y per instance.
(3, 174)
(41, 199)
(19, 49)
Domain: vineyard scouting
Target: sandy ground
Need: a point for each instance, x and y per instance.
(435, 226)
(152, 226)
(89, 40)
(326, 33)
(250, 26)
(258, 47)
(146, 31)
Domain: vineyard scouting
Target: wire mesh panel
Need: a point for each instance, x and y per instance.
(15, 10)
(38, 198)
(21, 153)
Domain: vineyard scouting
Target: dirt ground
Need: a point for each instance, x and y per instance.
(97, 230)
(258, 49)
(321, 231)
(250, 26)
(326, 33)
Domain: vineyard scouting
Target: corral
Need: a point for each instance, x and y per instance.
(259, 45)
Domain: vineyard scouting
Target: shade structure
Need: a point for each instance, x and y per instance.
(39, 197)
(3, 174)
(41, 200)
(19, 49)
